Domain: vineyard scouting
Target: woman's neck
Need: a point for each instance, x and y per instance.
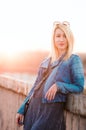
(60, 53)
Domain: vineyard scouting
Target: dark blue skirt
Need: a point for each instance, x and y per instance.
(44, 116)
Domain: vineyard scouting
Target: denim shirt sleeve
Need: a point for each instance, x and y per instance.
(21, 109)
(77, 77)
(42, 69)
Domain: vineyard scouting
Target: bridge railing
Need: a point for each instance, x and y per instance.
(12, 94)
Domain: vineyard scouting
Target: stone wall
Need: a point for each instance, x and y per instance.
(12, 94)
(76, 112)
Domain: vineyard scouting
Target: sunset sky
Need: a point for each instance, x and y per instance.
(27, 24)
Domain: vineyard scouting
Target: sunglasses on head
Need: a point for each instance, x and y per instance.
(65, 23)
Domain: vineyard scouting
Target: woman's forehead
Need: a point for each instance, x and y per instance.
(58, 30)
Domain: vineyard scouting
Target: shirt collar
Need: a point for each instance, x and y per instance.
(46, 62)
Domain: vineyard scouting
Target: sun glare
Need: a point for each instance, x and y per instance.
(21, 30)
(14, 43)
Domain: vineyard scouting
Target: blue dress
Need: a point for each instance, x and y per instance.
(44, 116)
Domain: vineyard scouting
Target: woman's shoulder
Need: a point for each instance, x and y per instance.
(75, 58)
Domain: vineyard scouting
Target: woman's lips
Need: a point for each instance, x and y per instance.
(61, 44)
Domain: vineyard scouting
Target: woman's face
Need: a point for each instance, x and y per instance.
(60, 40)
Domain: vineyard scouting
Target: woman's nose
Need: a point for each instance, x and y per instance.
(61, 39)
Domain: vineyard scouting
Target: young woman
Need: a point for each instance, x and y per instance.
(65, 75)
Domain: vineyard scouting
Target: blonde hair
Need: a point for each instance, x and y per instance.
(70, 38)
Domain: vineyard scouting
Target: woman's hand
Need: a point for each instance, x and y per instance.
(19, 119)
(51, 92)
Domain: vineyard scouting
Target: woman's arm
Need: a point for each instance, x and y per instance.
(21, 109)
(77, 78)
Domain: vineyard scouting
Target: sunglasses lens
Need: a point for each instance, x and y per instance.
(56, 23)
(65, 23)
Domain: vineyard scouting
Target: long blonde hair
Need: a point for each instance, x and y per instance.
(70, 38)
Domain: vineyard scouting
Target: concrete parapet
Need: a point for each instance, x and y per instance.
(76, 103)
(17, 86)
(12, 94)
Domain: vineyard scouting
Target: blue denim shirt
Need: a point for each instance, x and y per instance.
(68, 76)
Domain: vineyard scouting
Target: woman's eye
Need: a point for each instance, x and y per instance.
(57, 35)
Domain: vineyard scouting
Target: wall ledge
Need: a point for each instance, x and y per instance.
(76, 103)
(17, 86)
